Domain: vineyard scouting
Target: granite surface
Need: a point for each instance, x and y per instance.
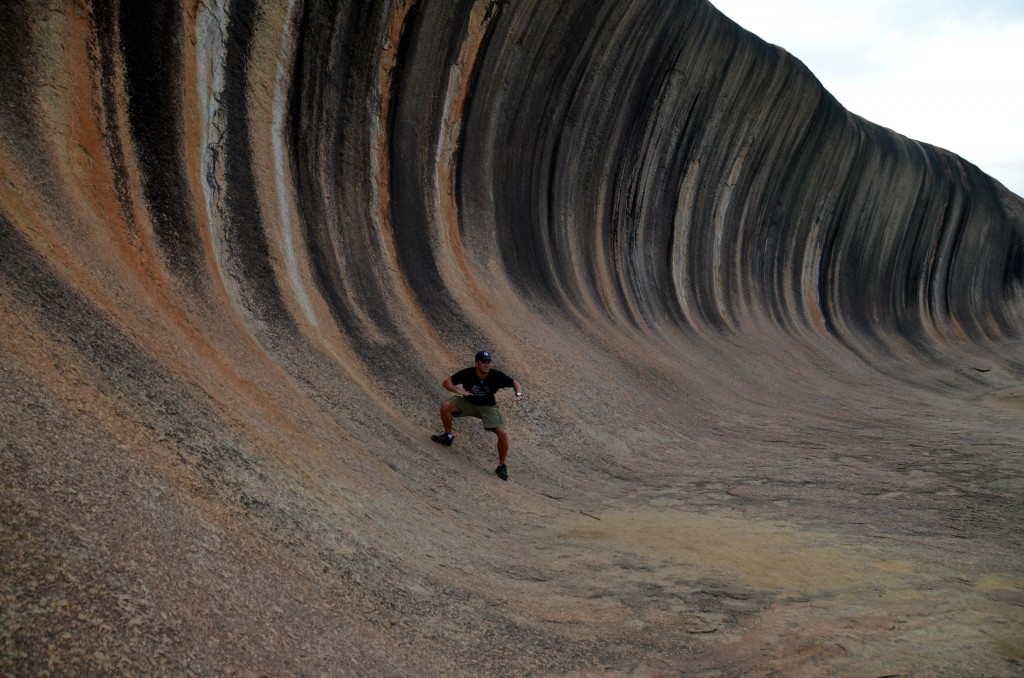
(772, 352)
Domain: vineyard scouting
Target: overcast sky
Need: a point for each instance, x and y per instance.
(946, 72)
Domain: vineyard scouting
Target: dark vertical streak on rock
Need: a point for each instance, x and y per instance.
(417, 115)
(314, 89)
(334, 80)
(106, 79)
(151, 35)
(16, 68)
(637, 236)
(1013, 275)
(306, 122)
(249, 260)
(475, 88)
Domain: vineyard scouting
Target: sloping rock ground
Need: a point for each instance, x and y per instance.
(772, 351)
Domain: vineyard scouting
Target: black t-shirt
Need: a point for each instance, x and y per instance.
(482, 390)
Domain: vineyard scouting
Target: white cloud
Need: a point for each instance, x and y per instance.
(944, 72)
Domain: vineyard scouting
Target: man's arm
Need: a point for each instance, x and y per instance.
(519, 390)
(449, 386)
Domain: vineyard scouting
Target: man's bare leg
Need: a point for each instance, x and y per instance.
(502, 444)
(448, 412)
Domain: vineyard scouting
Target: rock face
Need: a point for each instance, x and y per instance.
(772, 351)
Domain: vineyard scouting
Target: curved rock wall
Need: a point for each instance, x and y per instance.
(241, 244)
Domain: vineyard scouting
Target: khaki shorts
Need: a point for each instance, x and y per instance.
(489, 414)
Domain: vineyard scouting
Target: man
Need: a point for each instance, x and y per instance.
(474, 389)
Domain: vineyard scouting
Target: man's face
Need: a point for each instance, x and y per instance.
(483, 366)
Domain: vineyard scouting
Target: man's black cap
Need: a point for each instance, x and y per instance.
(483, 356)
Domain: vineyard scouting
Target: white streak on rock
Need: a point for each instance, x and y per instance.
(211, 55)
(281, 174)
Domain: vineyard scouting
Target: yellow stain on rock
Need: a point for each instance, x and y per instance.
(1000, 581)
(1007, 399)
(767, 556)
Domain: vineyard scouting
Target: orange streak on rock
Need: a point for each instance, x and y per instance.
(426, 338)
(461, 72)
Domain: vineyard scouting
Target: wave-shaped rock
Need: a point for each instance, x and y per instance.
(772, 350)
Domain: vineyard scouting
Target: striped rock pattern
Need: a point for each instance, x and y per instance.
(772, 351)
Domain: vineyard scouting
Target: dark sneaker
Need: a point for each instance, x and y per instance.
(443, 439)
(502, 472)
